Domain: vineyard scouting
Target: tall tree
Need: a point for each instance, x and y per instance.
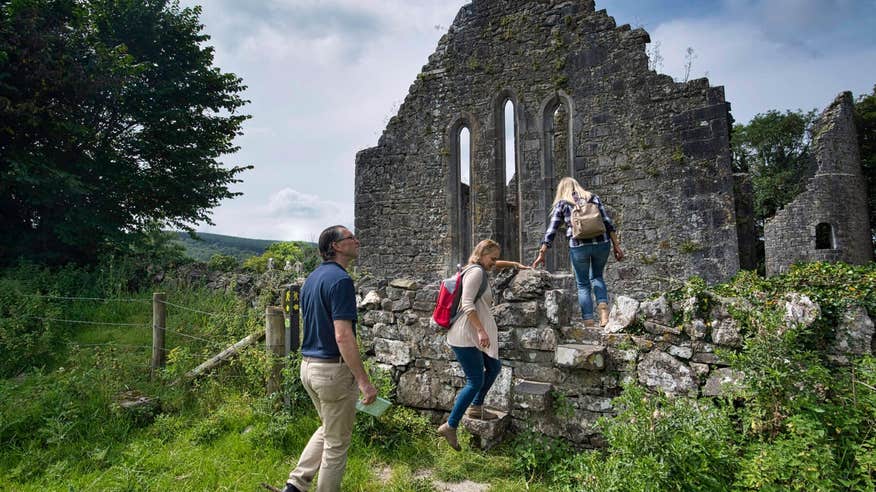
(112, 119)
(865, 113)
(774, 148)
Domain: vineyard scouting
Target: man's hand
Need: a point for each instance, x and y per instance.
(369, 392)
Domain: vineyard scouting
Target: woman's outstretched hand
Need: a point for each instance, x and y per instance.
(539, 260)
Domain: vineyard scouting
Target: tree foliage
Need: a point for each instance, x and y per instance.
(865, 113)
(283, 251)
(774, 148)
(112, 119)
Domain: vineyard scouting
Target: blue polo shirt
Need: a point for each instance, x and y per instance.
(326, 295)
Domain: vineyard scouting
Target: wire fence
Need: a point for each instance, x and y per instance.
(213, 341)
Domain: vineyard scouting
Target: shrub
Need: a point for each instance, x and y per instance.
(26, 340)
(223, 263)
(660, 443)
(534, 453)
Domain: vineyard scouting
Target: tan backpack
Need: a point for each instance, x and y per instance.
(586, 220)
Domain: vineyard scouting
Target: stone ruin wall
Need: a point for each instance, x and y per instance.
(655, 150)
(836, 194)
(558, 377)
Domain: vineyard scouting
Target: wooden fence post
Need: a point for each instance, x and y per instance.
(292, 309)
(159, 326)
(275, 344)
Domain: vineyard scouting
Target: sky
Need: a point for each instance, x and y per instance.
(325, 76)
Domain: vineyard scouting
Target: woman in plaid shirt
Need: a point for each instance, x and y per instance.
(588, 256)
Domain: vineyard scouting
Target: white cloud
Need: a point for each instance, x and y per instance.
(759, 72)
(287, 215)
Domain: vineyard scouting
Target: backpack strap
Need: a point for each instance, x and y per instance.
(457, 297)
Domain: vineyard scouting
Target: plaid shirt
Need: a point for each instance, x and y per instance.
(562, 214)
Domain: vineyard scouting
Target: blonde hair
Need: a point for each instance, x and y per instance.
(483, 248)
(566, 187)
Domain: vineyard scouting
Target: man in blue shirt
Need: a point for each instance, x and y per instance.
(331, 368)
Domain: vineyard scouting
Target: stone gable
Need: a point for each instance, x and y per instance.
(585, 104)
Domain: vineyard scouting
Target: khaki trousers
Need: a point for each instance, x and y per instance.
(333, 390)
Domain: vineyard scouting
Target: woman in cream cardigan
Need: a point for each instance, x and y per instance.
(474, 339)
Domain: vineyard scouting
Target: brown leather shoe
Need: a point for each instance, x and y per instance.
(603, 313)
(449, 433)
(480, 413)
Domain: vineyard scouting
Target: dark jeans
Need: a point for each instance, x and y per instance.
(480, 373)
(588, 261)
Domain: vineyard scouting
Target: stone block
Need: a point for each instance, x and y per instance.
(725, 332)
(528, 284)
(656, 311)
(402, 304)
(543, 338)
(370, 301)
(371, 318)
(696, 329)
(422, 388)
(557, 307)
(623, 314)
(404, 283)
(576, 356)
(537, 372)
(659, 370)
(721, 381)
(800, 310)
(658, 329)
(854, 334)
(680, 352)
(595, 403)
(532, 395)
(701, 370)
(499, 395)
(392, 352)
(488, 433)
(516, 314)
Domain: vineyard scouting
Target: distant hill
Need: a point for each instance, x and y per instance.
(211, 244)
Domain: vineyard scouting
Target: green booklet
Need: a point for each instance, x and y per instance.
(377, 408)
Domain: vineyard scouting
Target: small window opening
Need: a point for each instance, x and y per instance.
(824, 238)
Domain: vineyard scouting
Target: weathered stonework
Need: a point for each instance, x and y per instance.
(835, 200)
(585, 104)
(558, 379)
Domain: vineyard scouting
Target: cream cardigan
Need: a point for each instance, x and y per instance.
(463, 333)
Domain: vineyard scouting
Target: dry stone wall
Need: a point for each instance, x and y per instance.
(559, 376)
(656, 151)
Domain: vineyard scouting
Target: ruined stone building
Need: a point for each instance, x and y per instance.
(581, 101)
(584, 103)
(829, 220)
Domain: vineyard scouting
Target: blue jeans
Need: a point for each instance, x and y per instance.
(588, 261)
(480, 373)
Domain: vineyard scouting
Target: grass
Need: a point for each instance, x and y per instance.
(61, 429)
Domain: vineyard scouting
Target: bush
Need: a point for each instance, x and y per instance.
(26, 340)
(223, 263)
(534, 453)
(657, 443)
(291, 251)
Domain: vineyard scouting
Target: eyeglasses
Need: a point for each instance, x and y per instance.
(353, 237)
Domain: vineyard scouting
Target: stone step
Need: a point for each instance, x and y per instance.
(580, 356)
(532, 395)
(488, 433)
(576, 332)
